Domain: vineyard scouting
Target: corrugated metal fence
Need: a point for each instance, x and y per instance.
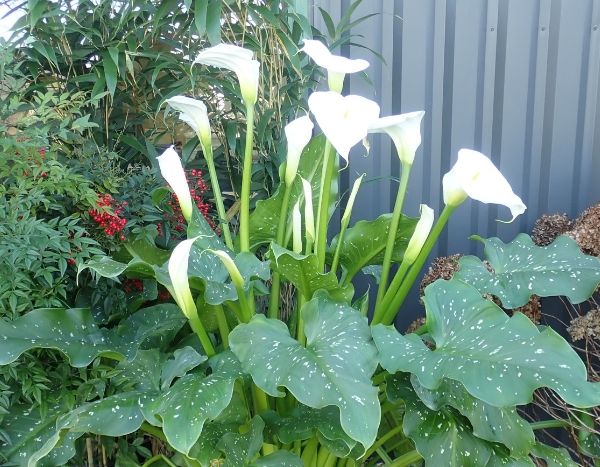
(515, 79)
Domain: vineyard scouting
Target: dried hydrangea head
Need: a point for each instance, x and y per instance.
(585, 326)
(532, 309)
(416, 324)
(443, 267)
(586, 231)
(548, 227)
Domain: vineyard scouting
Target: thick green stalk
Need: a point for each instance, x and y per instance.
(309, 452)
(300, 336)
(391, 240)
(389, 295)
(246, 179)
(222, 324)
(413, 273)
(406, 459)
(198, 328)
(382, 440)
(214, 181)
(544, 424)
(276, 281)
(338, 247)
(323, 211)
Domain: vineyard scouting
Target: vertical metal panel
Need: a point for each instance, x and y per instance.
(516, 79)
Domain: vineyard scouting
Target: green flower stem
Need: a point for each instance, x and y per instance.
(338, 247)
(244, 304)
(322, 456)
(389, 295)
(400, 296)
(381, 441)
(391, 240)
(214, 181)
(223, 326)
(544, 424)
(323, 211)
(276, 281)
(259, 398)
(384, 455)
(198, 328)
(300, 336)
(246, 179)
(406, 459)
(309, 452)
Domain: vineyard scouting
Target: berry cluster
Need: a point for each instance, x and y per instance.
(108, 215)
(133, 285)
(198, 187)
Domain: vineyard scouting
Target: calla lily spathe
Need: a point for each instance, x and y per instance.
(476, 177)
(351, 199)
(240, 61)
(172, 171)
(298, 133)
(419, 236)
(345, 120)
(194, 113)
(405, 131)
(309, 215)
(296, 229)
(178, 273)
(232, 269)
(337, 66)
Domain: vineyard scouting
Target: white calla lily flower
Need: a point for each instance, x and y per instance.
(172, 171)
(178, 272)
(476, 177)
(345, 120)
(240, 61)
(296, 229)
(194, 113)
(337, 66)
(419, 236)
(351, 199)
(405, 131)
(232, 269)
(309, 214)
(298, 133)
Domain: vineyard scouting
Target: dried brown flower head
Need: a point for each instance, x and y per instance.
(585, 326)
(548, 227)
(586, 231)
(443, 267)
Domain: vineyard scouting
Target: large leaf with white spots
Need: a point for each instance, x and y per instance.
(442, 437)
(116, 415)
(334, 368)
(554, 457)
(193, 400)
(364, 243)
(264, 220)
(522, 269)
(304, 272)
(75, 333)
(496, 424)
(498, 359)
(305, 422)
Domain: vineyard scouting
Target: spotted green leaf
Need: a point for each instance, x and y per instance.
(193, 400)
(364, 242)
(304, 423)
(495, 424)
(304, 272)
(554, 457)
(74, 333)
(522, 269)
(441, 437)
(498, 359)
(334, 368)
(183, 360)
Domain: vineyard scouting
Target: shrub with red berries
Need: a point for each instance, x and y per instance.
(108, 215)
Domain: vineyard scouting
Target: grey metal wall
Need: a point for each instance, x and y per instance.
(515, 79)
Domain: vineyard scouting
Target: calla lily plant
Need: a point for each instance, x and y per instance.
(268, 355)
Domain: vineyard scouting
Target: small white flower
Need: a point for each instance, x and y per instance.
(351, 198)
(345, 120)
(405, 131)
(194, 113)
(172, 171)
(337, 66)
(419, 236)
(298, 133)
(309, 215)
(238, 60)
(475, 176)
(178, 272)
(234, 272)
(296, 229)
